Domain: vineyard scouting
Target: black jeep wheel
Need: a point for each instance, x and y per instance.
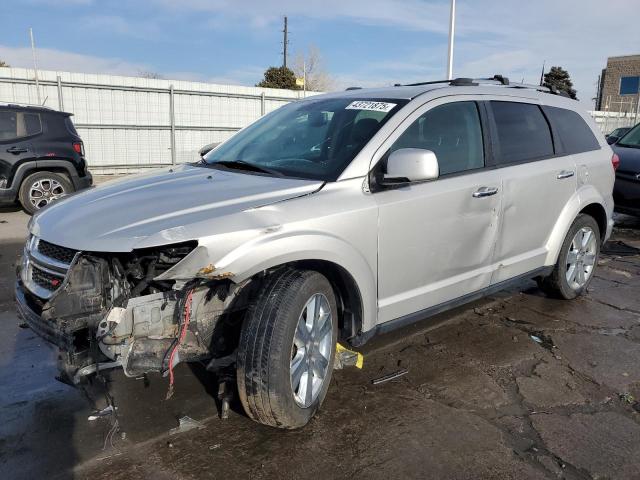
(41, 188)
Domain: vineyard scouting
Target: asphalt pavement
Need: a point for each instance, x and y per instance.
(514, 386)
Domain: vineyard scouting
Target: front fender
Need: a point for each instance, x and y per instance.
(585, 195)
(273, 249)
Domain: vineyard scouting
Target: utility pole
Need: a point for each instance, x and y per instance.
(452, 28)
(35, 65)
(285, 43)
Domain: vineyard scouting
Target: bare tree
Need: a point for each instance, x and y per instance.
(148, 74)
(312, 64)
(4, 64)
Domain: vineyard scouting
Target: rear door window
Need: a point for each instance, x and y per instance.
(575, 135)
(453, 132)
(15, 125)
(522, 132)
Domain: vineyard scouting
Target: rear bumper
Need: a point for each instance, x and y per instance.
(80, 183)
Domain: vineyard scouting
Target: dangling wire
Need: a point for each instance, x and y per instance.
(182, 335)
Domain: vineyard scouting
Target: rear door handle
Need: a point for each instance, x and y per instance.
(566, 174)
(17, 150)
(485, 192)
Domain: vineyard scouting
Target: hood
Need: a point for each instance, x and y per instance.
(120, 215)
(629, 159)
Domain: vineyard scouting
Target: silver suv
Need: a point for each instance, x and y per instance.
(329, 220)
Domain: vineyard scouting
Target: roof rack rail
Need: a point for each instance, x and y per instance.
(21, 104)
(495, 80)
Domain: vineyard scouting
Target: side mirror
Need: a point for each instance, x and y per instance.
(611, 139)
(207, 148)
(411, 165)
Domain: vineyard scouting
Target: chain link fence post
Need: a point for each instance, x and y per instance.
(60, 100)
(172, 119)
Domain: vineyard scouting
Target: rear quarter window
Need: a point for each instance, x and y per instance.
(575, 135)
(522, 132)
(70, 126)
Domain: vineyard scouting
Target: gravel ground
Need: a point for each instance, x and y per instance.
(482, 398)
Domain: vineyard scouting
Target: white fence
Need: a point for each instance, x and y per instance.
(609, 121)
(130, 123)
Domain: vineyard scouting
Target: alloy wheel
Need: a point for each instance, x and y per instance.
(44, 191)
(581, 258)
(311, 350)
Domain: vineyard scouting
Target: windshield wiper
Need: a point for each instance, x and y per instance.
(242, 165)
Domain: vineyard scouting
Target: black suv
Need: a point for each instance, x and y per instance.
(41, 156)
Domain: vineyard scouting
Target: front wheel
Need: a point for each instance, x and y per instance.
(577, 260)
(287, 348)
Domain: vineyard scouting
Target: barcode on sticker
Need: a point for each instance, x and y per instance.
(369, 105)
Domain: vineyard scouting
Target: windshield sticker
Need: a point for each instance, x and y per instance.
(369, 105)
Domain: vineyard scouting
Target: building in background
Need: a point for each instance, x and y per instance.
(619, 88)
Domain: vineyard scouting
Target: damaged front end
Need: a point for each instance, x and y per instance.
(108, 310)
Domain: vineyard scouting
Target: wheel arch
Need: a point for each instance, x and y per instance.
(348, 296)
(586, 199)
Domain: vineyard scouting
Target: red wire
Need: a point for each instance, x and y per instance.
(183, 333)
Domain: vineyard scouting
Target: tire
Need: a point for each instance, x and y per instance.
(271, 348)
(50, 185)
(558, 283)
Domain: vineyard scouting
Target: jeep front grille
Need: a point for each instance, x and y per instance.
(45, 266)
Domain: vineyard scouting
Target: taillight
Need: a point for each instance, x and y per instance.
(615, 161)
(78, 147)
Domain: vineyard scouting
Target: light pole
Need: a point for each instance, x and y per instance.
(452, 28)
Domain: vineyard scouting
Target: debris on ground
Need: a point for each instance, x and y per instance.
(186, 424)
(543, 340)
(390, 376)
(627, 398)
(347, 358)
(105, 412)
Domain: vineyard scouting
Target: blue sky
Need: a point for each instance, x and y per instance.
(362, 42)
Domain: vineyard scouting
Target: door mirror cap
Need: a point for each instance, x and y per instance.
(611, 139)
(411, 165)
(207, 148)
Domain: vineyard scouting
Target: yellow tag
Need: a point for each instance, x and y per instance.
(359, 357)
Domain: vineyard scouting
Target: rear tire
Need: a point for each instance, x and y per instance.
(577, 261)
(287, 347)
(41, 188)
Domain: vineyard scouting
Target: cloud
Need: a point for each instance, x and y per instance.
(52, 59)
(414, 14)
(120, 25)
(491, 37)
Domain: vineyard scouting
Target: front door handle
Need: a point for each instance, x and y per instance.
(17, 150)
(566, 174)
(485, 192)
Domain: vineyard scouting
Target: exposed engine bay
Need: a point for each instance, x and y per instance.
(110, 310)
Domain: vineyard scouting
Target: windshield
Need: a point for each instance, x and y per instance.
(310, 139)
(632, 138)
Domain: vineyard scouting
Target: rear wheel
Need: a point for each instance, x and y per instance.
(286, 352)
(41, 188)
(577, 260)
